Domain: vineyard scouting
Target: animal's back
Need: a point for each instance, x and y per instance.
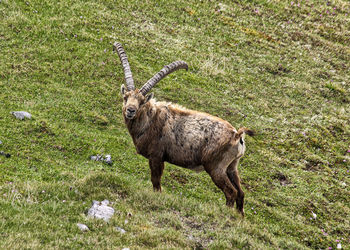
(191, 137)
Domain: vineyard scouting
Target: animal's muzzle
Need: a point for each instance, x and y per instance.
(130, 112)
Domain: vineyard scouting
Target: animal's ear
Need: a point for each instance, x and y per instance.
(122, 89)
(149, 97)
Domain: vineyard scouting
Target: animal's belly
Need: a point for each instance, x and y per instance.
(185, 161)
(189, 165)
(198, 169)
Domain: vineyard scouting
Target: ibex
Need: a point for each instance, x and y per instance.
(165, 132)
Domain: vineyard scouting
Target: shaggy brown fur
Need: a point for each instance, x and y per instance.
(164, 132)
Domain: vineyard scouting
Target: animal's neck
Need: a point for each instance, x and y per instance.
(138, 126)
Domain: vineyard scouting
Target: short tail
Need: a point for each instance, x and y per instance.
(243, 131)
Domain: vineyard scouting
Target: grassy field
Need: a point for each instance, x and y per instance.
(278, 67)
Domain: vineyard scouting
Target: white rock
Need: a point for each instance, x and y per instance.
(314, 215)
(121, 230)
(126, 248)
(100, 210)
(83, 227)
(105, 202)
(107, 159)
(21, 115)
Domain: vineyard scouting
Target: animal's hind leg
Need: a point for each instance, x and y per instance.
(156, 167)
(218, 174)
(232, 173)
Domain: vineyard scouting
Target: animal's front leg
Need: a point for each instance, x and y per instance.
(157, 167)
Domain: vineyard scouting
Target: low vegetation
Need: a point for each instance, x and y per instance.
(278, 67)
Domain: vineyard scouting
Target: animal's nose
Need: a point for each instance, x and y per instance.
(131, 110)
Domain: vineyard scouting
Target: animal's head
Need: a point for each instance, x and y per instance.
(134, 99)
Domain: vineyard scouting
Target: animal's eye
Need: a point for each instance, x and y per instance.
(125, 98)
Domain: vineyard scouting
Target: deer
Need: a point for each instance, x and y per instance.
(167, 132)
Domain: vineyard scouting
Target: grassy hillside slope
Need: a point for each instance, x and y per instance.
(278, 67)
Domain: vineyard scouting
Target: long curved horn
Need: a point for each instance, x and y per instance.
(161, 74)
(126, 67)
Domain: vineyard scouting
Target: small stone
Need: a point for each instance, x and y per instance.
(107, 159)
(314, 215)
(83, 227)
(121, 230)
(101, 210)
(5, 154)
(21, 115)
(126, 248)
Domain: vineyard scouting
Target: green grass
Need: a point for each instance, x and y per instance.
(275, 67)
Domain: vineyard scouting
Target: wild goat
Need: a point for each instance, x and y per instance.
(165, 132)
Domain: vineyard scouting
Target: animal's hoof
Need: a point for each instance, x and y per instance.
(157, 189)
(242, 212)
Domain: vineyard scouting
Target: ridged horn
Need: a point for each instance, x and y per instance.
(161, 74)
(126, 67)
